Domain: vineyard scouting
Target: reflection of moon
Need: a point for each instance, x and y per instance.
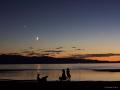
(37, 38)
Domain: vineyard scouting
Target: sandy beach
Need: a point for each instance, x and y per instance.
(33, 84)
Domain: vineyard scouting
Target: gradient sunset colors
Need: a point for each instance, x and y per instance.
(63, 28)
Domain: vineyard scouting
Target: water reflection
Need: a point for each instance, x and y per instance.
(79, 72)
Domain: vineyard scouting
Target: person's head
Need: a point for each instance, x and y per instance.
(63, 70)
(38, 74)
(68, 69)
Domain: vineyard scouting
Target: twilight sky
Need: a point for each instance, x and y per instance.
(76, 26)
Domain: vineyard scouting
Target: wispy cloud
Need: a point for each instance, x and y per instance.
(74, 47)
(41, 52)
(31, 48)
(39, 49)
(13, 53)
(59, 47)
(45, 54)
(33, 54)
(26, 51)
(54, 51)
(79, 49)
(30, 53)
(94, 55)
(102, 55)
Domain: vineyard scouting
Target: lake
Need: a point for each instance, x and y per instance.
(79, 72)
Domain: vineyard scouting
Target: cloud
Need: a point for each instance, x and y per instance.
(13, 53)
(41, 53)
(59, 48)
(102, 55)
(34, 54)
(53, 51)
(74, 47)
(30, 53)
(79, 49)
(26, 52)
(94, 55)
(31, 48)
(39, 49)
(45, 54)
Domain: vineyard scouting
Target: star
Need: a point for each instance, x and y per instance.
(37, 38)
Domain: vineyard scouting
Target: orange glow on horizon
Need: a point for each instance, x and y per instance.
(111, 58)
(69, 53)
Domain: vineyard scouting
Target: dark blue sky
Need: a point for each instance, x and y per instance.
(90, 24)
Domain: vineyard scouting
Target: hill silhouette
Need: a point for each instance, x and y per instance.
(18, 59)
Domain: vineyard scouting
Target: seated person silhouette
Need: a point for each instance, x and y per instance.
(43, 79)
(38, 78)
(63, 77)
(68, 74)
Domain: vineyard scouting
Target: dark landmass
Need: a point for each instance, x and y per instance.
(18, 59)
(108, 70)
(102, 70)
(33, 84)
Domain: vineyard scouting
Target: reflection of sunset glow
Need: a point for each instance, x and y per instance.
(76, 75)
(38, 68)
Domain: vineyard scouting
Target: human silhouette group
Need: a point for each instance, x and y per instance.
(65, 75)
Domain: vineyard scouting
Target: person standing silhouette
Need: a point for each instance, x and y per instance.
(63, 77)
(68, 74)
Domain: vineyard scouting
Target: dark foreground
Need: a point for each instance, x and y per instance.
(32, 84)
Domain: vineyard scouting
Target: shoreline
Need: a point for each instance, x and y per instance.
(58, 84)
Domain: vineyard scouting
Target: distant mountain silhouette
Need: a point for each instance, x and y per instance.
(18, 59)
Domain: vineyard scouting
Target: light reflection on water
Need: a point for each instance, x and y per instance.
(79, 72)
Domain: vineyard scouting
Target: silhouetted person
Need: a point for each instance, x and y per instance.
(43, 79)
(68, 74)
(38, 78)
(63, 77)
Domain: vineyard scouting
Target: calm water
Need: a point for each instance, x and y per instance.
(79, 72)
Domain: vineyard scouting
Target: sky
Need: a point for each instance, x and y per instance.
(60, 27)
